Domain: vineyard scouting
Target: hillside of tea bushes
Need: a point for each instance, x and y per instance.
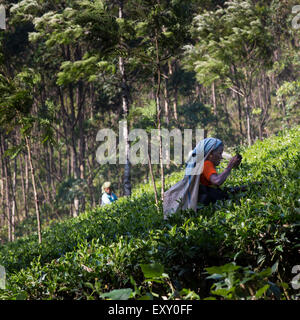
(244, 248)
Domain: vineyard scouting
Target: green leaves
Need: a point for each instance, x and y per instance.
(15, 101)
(233, 282)
(89, 68)
(152, 258)
(227, 268)
(118, 294)
(152, 271)
(227, 40)
(261, 291)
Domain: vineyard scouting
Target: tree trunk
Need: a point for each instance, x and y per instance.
(82, 157)
(158, 111)
(248, 121)
(25, 206)
(26, 181)
(175, 87)
(175, 103)
(240, 114)
(214, 101)
(125, 107)
(48, 177)
(261, 103)
(74, 174)
(14, 203)
(2, 179)
(7, 193)
(166, 96)
(152, 179)
(36, 200)
(80, 101)
(267, 103)
(1, 193)
(53, 189)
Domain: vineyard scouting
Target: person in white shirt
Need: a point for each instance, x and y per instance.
(108, 196)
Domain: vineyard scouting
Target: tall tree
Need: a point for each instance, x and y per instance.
(15, 110)
(234, 45)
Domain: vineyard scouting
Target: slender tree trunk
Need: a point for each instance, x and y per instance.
(23, 188)
(152, 179)
(74, 174)
(166, 101)
(48, 177)
(175, 103)
(74, 165)
(125, 107)
(240, 114)
(166, 96)
(14, 202)
(76, 200)
(36, 200)
(27, 182)
(261, 105)
(70, 161)
(158, 110)
(2, 191)
(8, 209)
(51, 166)
(60, 165)
(7, 193)
(82, 156)
(80, 101)
(214, 100)
(248, 121)
(175, 87)
(266, 102)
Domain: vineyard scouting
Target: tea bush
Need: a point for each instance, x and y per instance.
(243, 248)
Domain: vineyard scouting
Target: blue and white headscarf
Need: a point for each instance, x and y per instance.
(195, 162)
(199, 154)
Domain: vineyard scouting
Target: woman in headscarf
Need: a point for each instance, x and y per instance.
(200, 172)
(210, 180)
(107, 195)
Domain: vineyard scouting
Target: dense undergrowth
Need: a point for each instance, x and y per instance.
(244, 248)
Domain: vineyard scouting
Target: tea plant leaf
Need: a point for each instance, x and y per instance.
(261, 291)
(153, 270)
(222, 269)
(118, 294)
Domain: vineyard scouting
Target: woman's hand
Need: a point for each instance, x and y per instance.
(218, 179)
(235, 161)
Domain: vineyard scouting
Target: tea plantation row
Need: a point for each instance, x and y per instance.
(127, 250)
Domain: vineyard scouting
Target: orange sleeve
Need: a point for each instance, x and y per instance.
(208, 169)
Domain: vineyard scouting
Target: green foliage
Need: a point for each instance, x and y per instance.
(118, 294)
(235, 282)
(288, 94)
(15, 103)
(251, 240)
(229, 39)
(143, 117)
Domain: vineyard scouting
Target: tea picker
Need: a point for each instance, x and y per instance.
(108, 196)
